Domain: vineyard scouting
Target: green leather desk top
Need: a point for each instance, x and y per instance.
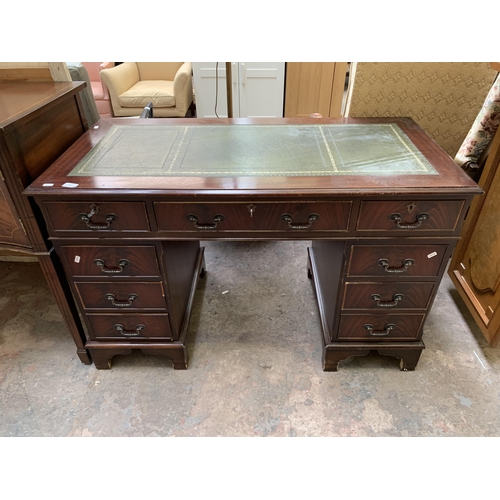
(254, 151)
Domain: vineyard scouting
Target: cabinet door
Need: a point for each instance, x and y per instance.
(261, 87)
(11, 229)
(314, 87)
(210, 93)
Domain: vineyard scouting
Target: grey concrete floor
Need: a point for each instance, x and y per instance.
(255, 367)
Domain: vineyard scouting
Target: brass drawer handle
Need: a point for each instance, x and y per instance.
(87, 218)
(129, 333)
(380, 303)
(121, 303)
(380, 333)
(122, 263)
(406, 264)
(420, 218)
(288, 218)
(205, 227)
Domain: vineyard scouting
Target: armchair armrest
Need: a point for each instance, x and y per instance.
(183, 86)
(120, 78)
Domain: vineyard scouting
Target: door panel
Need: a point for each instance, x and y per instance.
(11, 230)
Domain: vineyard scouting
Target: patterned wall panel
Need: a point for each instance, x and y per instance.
(443, 98)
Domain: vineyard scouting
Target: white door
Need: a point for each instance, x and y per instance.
(261, 89)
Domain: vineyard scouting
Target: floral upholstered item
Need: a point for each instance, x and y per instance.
(481, 132)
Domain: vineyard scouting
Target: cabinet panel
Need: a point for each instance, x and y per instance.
(11, 230)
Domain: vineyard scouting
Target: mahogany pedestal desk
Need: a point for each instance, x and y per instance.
(38, 122)
(127, 205)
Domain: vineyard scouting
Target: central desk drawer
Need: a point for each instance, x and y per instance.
(111, 262)
(97, 217)
(253, 216)
(122, 296)
(396, 261)
(130, 326)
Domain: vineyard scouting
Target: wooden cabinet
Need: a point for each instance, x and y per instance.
(38, 122)
(257, 89)
(314, 87)
(475, 266)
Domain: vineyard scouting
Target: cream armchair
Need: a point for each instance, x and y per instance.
(132, 85)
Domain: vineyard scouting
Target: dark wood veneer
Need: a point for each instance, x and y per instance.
(406, 327)
(90, 261)
(427, 260)
(413, 295)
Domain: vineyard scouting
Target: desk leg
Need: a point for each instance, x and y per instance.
(56, 279)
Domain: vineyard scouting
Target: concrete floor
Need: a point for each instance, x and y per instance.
(255, 367)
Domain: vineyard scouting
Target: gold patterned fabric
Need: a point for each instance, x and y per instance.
(255, 151)
(443, 98)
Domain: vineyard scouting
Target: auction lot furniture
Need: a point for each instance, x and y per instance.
(127, 205)
(38, 122)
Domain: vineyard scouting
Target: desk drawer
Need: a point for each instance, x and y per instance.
(387, 296)
(380, 327)
(396, 261)
(111, 262)
(281, 216)
(130, 326)
(407, 215)
(122, 296)
(97, 217)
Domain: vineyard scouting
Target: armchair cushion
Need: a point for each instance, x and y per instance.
(159, 92)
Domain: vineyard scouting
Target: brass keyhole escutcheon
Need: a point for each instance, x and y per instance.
(411, 206)
(251, 209)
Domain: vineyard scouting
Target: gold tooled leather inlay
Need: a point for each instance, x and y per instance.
(254, 150)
